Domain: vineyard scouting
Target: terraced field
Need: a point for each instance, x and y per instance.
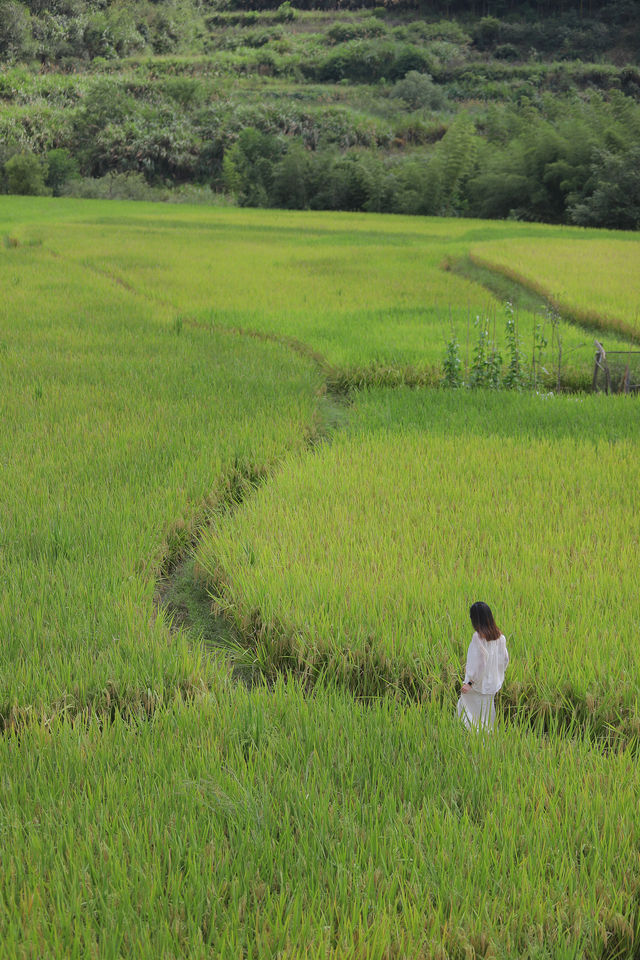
(365, 291)
(165, 389)
(594, 281)
(363, 559)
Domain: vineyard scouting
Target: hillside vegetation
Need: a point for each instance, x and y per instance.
(528, 111)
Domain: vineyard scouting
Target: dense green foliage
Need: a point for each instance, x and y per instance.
(527, 112)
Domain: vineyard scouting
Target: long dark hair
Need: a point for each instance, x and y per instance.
(483, 622)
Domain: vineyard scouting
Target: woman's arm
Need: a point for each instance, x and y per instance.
(474, 662)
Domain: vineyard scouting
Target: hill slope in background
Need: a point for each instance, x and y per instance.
(529, 111)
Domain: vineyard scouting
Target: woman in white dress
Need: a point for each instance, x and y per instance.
(487, 661)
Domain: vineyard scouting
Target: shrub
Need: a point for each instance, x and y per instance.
(186, 91)
(615, 200)
(62, 167)
(452, 365)
(418, 90)
(25, 174)
(346, 30)
(487, 33)
(285, 13)
(16, 37)
(506, 51)
(113, 186)
(367, 61)
(291, 178)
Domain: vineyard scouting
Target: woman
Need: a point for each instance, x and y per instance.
(487, 661)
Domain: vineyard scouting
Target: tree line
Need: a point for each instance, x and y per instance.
(580, 169)
(567, 162)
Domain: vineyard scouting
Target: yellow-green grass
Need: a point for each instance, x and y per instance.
(594, 281)
(261, 823)
(116, 425)
(364, 558)
(367, 292)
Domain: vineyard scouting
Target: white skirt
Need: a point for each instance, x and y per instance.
(477, 710)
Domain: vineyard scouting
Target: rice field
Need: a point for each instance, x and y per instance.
(364, 558)
(266, 823)
(594, 281)
(366, 292)
(152, 403)
(118, 426)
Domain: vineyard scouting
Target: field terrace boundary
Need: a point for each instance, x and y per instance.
(588, 320)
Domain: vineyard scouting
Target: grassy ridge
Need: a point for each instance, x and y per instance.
(262, 823)
(363, 559)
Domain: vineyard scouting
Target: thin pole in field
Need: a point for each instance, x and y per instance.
(533, 352)
(468, 321)
(494, 348)
(559, 361)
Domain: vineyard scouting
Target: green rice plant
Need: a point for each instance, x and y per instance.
(366, 556)
(113, 391)
(152, 806)
(365, 291)
(265, 823)
(120, 436)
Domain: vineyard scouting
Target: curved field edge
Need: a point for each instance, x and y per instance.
(359, 563)
(597, 316)
(266, 823)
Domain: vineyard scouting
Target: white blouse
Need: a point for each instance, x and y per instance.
(486, 663)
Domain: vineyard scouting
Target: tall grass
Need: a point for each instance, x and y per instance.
(365, 291)
(153, 808)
